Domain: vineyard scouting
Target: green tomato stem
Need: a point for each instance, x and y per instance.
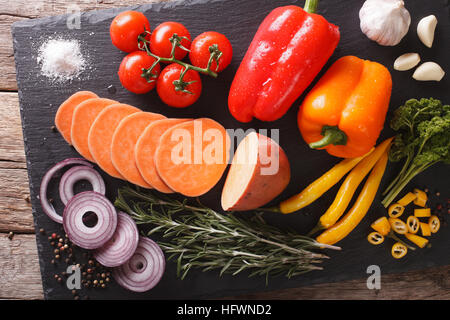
(311, 6)
(331, 135)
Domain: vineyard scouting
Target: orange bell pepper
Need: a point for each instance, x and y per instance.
(345, 111)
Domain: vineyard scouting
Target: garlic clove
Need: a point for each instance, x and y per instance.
(384, 21)
(406, 61)
(429, 71)
(425, 30)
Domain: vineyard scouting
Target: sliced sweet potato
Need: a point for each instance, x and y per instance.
(192, 156)
(124, 141)
(258, 173)
(145, 149)
(101, 133)
(83, 117)
(63, 117)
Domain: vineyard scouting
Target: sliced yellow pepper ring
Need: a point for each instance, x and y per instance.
(417, 240)
(434, 224)
(381, 225)
(375, 238)
(395, 210)
(399, 250)
(426, 230)
(421, 198)
(422, 213)
(398, 225)
(407, 199)
(413, 224)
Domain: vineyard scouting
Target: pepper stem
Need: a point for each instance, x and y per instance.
(331, 135)
(311, 6)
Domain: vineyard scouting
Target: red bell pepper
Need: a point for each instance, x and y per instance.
(289, 49)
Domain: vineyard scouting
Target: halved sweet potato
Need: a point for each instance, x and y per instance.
(259, 172)
(192, 156)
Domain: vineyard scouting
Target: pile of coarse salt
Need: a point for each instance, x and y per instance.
(61, 60)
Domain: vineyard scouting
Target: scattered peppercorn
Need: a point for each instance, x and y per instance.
(10, 235)
(53, 235)
(42, 231)
(57, 256)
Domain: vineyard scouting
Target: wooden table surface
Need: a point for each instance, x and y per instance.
(19, 267)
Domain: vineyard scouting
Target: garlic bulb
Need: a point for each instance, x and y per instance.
(384, 21)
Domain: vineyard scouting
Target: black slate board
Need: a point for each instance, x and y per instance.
(238, 19)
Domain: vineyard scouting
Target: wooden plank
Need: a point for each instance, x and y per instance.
(15, 208)
(19, 268)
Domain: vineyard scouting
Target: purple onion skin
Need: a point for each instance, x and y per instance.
(124, 274)
(46, 206)
(107, 255)
(84, 236)
(76, 174)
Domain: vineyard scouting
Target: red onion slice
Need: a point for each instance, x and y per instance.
(122, 245)
(46, 206)
(76, 174)
(145, 268)
(78, 232)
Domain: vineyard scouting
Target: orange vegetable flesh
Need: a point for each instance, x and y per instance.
(63, 117)
(101, 133)
(192, 156)
(145, 149)
(124, 142)
(83, 118)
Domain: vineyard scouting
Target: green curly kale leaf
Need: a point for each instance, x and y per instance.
(423, 139)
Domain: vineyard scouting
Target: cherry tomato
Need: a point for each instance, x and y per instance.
(130, 72)
(166, 88)
(160, 40)
(125, 29)
(200, 54)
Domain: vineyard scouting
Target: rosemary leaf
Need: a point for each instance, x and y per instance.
(199, 237)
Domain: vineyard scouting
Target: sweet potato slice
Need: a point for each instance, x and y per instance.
(259, 172)
(192, 156)
(124, 141)
(145, 149)
(83, 118)
(101, 133)
(63, 117)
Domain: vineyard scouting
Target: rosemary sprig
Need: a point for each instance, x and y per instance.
(199, 237)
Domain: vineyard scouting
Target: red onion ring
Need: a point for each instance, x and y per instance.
(145, 268)
(122, 245)
(75, 174)
(46, 206)
(82, 235)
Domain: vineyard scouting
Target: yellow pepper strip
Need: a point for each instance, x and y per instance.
(418, 240)
(349, 186)
(316, 189)
(398, 225)
(434, 224)
(413, 224)
(354, 216)
(407, 199)
(422, 213)
(421, 198)
(425, 228)
(399, 250)
(395, 210)
(382, 226)
(375, 238)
